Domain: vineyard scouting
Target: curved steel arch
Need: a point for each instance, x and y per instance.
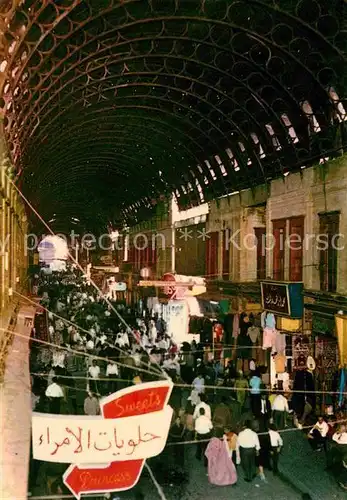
(189, 40)
(88, 57)
(161, 110)
(105, 157)
(164, 111)
(206, 102)
(197, 62)
(259, 130)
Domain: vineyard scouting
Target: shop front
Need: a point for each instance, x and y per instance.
(176, 302)
(284, 339)
(321, 311)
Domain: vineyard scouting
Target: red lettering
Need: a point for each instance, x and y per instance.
(119, 407)
(85, 480)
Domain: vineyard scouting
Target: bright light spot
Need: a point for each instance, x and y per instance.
(212, 172)
(12, 47)
(3, 66)
(52, 249)
(290, 127)
(114, 235)
(307, 109)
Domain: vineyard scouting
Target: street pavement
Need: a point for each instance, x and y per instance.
(306, 469)
(301, 471)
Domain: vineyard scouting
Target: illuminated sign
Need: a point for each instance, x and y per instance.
(134, 426)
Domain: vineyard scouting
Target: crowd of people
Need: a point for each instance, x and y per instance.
(92, 348)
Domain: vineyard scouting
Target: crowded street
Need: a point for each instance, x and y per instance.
(173, 264)
(88, 350)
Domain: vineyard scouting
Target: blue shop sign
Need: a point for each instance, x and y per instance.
(283, 298)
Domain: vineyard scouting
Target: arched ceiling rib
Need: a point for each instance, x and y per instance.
(109, 104)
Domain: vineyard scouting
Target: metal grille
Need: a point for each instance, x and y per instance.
(110, 104)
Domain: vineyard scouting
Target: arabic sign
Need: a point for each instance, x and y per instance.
(275, 298)
(135, 425)
(283, 298)
(86, 440)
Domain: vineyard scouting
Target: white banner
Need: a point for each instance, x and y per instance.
(95, 440)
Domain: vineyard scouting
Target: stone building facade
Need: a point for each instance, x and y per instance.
(13, 252)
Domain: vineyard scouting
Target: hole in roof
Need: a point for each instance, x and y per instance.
(200, 191)
(341, 112)
(233, 160)
(290, 128)
(212, 172)
(307, 109)
(275, 142)
(256, 141)
(221, 166)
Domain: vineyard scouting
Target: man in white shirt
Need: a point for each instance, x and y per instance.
(276, 444)
(94, 370)
(51, 333)
(203, 404)
(280, 409)
(203, 428)
(318, 434)
(338, 447)
(112, 372)
(340, 437)
(55, 394)
(249, 446)
(94, 373)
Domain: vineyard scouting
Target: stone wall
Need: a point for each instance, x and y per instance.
(307, 193)
(313, 191)
(13, 254)
(240, 213)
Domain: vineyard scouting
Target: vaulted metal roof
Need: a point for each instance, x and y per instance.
(110, 104)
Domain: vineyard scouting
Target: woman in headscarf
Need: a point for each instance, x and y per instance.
(221, 469)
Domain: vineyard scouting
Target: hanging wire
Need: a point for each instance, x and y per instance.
(82, 329)
(281, 431)
(177, 384)
(109, 303)
(80, 353)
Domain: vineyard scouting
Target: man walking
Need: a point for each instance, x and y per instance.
(249, 446)
(203, 428)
